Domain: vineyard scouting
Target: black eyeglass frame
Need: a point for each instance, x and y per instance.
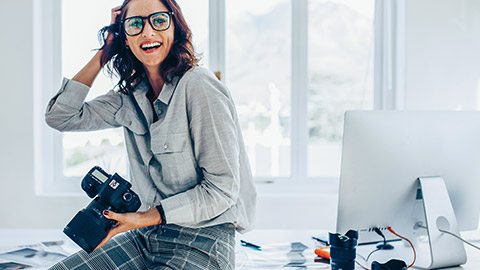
(169, 13)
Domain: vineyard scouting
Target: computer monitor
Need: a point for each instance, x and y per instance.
(385, 153)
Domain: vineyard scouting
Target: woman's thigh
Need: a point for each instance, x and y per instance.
(177, 247)
(121, 252)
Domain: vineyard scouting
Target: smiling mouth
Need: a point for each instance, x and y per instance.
(150, 46)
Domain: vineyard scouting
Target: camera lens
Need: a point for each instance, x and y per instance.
(86, 230)
(342, 250)
(127, 196)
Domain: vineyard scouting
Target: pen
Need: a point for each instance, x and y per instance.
(323, 241)
(251, 245)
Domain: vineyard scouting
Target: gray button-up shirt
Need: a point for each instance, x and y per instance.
(192, 160)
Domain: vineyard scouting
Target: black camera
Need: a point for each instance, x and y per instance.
(343, 250)
(89, 226)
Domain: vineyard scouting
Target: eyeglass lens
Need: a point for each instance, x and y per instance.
(158, 21)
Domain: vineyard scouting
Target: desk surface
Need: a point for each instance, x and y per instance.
(265, 237)
(274, 243)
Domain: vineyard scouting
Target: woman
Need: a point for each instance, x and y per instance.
(185, 149)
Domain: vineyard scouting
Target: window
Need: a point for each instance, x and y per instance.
(293, 68)
(340, 76)
(264, 71)
(258, 68)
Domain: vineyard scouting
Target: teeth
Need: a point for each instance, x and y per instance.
(151, 45)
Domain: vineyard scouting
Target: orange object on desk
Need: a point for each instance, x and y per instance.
(323, 252)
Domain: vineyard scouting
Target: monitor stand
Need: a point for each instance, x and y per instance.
(445, 250)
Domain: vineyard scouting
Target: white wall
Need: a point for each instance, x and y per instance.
(19, 207)
(443, 54)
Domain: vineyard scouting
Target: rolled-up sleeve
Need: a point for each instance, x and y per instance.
(214, 133)
(68, 111)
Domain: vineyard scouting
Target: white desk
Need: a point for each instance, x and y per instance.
(264, 238)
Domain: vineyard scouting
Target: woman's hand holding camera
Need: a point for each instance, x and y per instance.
(130, 221)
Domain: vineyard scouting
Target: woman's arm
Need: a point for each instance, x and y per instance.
(90, 71)
(67, 110)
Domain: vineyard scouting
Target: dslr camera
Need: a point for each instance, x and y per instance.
(110, 192)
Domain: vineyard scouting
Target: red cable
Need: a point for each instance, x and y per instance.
(414, 252)
(364, 268)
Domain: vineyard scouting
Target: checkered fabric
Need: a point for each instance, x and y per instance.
(172, 247)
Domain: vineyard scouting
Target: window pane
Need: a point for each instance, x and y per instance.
(258, 67)
(340, 76)
(80, 25)
(81, 151)
(196, 15)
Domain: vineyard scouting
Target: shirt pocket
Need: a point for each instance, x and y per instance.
(168, 144)
(130, 120)
(176, 160)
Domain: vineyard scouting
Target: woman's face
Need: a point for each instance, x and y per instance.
(150, 47)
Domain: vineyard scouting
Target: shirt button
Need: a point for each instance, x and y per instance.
(129, 123)
(165, 146)
(149, 207)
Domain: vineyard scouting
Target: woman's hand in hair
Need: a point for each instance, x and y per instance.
(116, 11)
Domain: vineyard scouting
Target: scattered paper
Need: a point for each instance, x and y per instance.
(39, 255)
(278, 256)
(13, 266)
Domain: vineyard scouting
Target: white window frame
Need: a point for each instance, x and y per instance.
(389, 90)
(390, 40)
(47, 77)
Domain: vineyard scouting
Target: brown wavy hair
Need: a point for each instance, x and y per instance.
(122, 63)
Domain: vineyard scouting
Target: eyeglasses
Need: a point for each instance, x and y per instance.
(159, 21)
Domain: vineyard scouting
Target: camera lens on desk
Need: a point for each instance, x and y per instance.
(343, 250)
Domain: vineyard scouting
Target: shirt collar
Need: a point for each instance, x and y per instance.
(141, 89)
(165, 95)
(167, 91)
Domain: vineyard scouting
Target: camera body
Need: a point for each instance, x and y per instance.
(343, 250)
(110, 192)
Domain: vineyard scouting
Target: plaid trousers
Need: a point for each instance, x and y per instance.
(174, 247)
